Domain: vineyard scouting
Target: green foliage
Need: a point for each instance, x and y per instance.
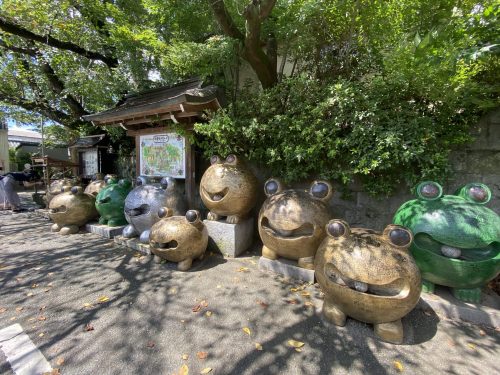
(376, 129)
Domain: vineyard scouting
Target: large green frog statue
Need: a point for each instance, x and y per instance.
(457, 238)
(110, 202)
(369, 276)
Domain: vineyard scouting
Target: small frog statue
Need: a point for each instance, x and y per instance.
(71, 209)
(110, 202)
(369, 276)
(292, 222)
(58, 186)
(96, 184)
(179, 239)
(228, 188)
(457, 238)
(145, 200)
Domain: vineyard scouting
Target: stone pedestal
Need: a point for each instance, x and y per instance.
(230, 239)
(104, 230)
(132, 243)
(287, 268)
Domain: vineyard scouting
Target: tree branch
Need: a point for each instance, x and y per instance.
(44, 108)
(224, 19)
(24, 51)
(48, 40)
(266, 7)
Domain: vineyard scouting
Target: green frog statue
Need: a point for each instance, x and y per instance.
(456, 238)
(111, 200)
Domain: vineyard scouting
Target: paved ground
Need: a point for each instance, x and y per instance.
(51, 285)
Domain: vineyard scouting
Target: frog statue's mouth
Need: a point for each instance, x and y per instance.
(58, 210)
(426, 242)
(217, 196)
(143, 209)
(170, 245)
(398, 288)
(305, 230)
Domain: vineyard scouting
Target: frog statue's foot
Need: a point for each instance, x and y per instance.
(144, 237)
(185, 264)
(427, 286)
(391, 331)
(268, 253)
(307, 263)
(467, 295)
(129, 231)
(55, 228)
(69, 229)
(213, 216)
(103, 221)
(333, 313)
(233, 219)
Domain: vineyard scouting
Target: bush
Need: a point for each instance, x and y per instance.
(378, 129)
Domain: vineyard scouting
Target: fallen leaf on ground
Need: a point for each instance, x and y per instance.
(202, 355)
(398, 366)
(172, 291)
(19, 279)
(427, 312)
(103, 299)
(18, 309)
(219, 286)
(291, 301)
(242, 269)
(184, 370)
(298, 350)
(42, 318)
(41, 334)
(263, 304)
(206, 370)
(50, 273)
(46, 290)
(138, 254)
(87, 305)
(151, 344)
(208, 313)
(59, 361)
(305, 294)
(295, 343)
(204, 303)
(29, 294)
(247, 331)
(185, 357)
(2, 310)
(13, 318)
(472, 346)
(258, 346)
(89, 327)
(49, 284)
(482, 333)
(293, 290)
(34, 285)
(196, 308)
(42, 308)
(55, 371)
(308, 304)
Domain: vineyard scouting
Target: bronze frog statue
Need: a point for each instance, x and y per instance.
(71, 209)
(369, 276)
(179, 239)
(292, 222)
(96, 184)
(228, 188)
(58, 186)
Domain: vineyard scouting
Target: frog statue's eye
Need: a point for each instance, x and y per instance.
(165, 212)
(231, 159)
(476, 193)
(215, 159)
(398, 235)
(192, 216)
(337, 228)
(321, 190)
(272, 186)
(76, 190)
(167, 182)
(429, 190)
(141, 180)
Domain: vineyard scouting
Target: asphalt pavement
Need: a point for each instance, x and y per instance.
(91, 307)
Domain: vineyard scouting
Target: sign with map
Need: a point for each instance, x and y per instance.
(163, 155)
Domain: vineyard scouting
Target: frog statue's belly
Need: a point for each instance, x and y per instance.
(368, 280)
